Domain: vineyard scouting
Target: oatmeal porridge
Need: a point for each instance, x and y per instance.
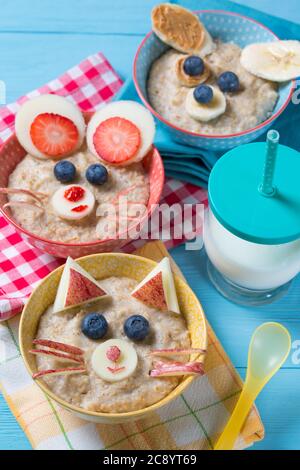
(88, 390)
(251, 105)
(38, 176)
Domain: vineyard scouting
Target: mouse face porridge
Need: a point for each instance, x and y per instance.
(206, 86)
(80, 183)
(38, 176)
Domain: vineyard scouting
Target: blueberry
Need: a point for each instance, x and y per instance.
(203, 94)
(96, 174)
(193, 65)
(65, 171)
(94, 326)
(136, 327)
(229, 81)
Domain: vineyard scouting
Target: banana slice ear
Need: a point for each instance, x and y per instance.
(178, 27)
(277, 61)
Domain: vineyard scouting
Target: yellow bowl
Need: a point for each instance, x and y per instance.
(101, 266)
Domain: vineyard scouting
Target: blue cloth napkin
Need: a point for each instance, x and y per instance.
(192, 164)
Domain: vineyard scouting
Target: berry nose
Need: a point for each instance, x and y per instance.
(113, 353)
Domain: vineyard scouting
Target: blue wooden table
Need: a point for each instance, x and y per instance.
(38, 41)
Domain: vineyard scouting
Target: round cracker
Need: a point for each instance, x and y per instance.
(178, 27)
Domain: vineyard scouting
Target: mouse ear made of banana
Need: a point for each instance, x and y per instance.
(178, 27)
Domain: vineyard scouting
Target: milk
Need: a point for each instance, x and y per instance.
(252, 229)
(250, 265)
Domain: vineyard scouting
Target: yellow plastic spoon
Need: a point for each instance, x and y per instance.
(269, 347)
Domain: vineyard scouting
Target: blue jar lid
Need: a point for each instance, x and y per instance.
(239, 205)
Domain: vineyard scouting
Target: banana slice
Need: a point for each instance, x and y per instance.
(277, 61)
(53, 116)
(114, 360)
(208, 45)
(206, 112)
(133, 112)
(188, 80)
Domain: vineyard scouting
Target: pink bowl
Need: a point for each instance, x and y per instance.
(11, 153)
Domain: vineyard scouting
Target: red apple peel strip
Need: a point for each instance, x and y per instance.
(22, 204)
(67, 348)
(53, 372)
(35, 195)
(171, 369)
(176, 352)
(57, 355)
(115, 370)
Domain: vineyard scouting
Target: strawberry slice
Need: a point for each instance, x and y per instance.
(54, 135)
(117, 140)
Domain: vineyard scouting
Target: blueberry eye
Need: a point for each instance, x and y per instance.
(94, 326)
(65, 171)
(229, 82)
(96, 174)
(203, 94)
(193, 66)
(136, 327)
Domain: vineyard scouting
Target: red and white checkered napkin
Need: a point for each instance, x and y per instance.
(90, 84)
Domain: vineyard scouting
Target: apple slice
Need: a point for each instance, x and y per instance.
(66, 348)
(176, 352)
(158, 288)
(112, 368)
(170, 369)
(27, 192)
(51, 372)
(76, 287)
(57, 355)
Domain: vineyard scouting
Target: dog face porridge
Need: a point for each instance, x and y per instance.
(76, 179)
(210, 87)
(250, 105)
(109, 356)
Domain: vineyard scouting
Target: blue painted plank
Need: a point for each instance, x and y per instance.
(52, 55)
(289, 10)
(280, 413)
(90, 17)
(12, 436)
(233, 324)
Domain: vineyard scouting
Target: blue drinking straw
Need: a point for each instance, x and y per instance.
(267, 187)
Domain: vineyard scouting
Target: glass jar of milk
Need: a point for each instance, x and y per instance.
(252, 228)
